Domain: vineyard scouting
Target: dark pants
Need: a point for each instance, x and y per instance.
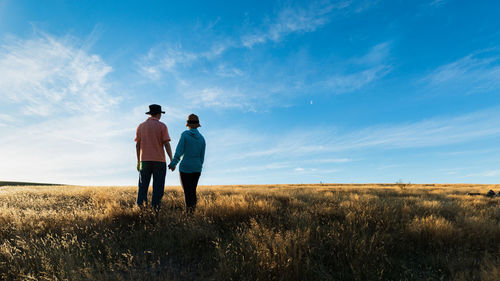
(158, 171)
(189, 183)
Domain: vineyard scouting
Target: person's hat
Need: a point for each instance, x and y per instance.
(193, 121)
(155, 109)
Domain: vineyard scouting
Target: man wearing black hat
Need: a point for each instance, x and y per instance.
(152, 137)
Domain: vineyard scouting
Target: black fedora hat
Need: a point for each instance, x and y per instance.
(155, 109)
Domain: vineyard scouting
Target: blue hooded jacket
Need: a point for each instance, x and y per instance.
(191, 148)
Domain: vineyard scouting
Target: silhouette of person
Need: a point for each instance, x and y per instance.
(151, 138)
(191, 148)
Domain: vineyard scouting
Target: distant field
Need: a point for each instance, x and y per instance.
(14, 183)
(285, 232)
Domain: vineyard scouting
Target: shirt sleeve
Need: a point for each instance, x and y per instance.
(179, 151)
(164, 134)
(138, 134)
(202, 154)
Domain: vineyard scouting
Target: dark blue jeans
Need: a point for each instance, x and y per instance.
(158, 171)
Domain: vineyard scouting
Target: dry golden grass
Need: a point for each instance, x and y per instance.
(284, 232)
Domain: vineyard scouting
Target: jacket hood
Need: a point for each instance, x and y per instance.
(194, 133)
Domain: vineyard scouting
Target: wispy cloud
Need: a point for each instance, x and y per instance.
(486, 173)
(160, 60)
(216, 74)
(6, 118)
(475, 73)
(288, 154)
(427, 133)
(345, 83)
(67, 126)
(372, 66)
(298, 18)
(217, 97)
(47, 75)
(294, 19)
(378, 54)
(228, 71)
(168, 58)
(437, 3)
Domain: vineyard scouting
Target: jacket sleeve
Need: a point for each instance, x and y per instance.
(202, 154)
(179, 151)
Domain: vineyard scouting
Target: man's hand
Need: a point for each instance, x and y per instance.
(172, 168)
(138, 166)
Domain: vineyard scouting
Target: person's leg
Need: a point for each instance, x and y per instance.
(186, 186)
(144, 179)
(194, 184)
(189, 181)
(159, 172)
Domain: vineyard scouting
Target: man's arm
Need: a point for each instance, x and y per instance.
(179, 151)
(168, 149)
(138, 152)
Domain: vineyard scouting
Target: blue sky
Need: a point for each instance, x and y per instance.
(286, 91)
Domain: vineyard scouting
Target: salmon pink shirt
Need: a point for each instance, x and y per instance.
(152, 134)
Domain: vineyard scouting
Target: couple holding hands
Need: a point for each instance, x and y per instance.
(152, 140)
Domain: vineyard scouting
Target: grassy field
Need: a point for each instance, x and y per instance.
(19, 183)
(287, 232)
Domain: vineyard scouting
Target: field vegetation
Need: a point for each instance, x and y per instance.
(283, 232)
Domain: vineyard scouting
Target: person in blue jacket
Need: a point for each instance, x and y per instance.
(191, 148)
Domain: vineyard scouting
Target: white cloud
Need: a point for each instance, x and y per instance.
(294, 19)
(487, 173)
(47, 75)
(477, 72)
(208, 75)
(437, 3)
(345, 83)
(165, 59)
(228, 71)
(6, 118)
(374, 65)
(427, 133)
(218, 97)
(82, 149)
(329, 160)
(169, 58)
(74, 132)
(378, 54)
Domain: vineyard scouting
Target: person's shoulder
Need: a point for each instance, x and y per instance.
(161, 123)
(145, 122)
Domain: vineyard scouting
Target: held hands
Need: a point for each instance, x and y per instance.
(171, 167)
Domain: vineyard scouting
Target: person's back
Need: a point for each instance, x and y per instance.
(194, 151)
(191, 148)
(152, 137)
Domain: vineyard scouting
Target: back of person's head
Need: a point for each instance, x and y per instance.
(193, 121)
